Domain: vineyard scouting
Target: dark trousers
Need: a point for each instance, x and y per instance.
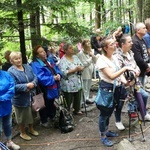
(74, 98)
(48, 112)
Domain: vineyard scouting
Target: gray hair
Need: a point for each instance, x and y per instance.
(138, 26)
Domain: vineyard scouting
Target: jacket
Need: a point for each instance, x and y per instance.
(46, 80)
(22, 98)
(140, 54)
(7, 90)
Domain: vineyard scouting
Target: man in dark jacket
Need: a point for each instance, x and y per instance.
(140, 50)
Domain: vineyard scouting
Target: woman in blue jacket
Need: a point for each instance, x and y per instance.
(6, 93)
(25, 83)
(48, 76)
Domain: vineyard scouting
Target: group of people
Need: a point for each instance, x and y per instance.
(72, 75)
(44, 73)
(121, 54)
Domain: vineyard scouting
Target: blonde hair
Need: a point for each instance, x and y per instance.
(13, 55)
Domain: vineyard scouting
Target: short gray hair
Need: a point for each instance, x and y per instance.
(138, 26)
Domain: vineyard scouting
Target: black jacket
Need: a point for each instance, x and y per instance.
(141, 57)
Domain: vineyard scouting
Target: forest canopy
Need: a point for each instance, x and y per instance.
(27, 23)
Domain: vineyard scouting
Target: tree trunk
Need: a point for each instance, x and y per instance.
(97, 16)
(111, 11)
(35, 28)
(21, 31)
(146, 9)
(103, 12)
(139, 10)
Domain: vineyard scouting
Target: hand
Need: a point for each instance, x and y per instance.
(130, 83)
(57, 77)
(30, 85)
(128, 68)
(99, 49)
(79, 68)
(148, 69)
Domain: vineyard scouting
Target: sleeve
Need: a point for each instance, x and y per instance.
(85, 62)
(44, 76)
(35, 79)
(9, 93)
(63, 66)
(100, 64)
(147, 40)
(19, 87)
(138, 56)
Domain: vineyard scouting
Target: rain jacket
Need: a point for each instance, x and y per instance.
(46, 79)
(7, 91)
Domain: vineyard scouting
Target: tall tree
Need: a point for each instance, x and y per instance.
(97, 15)
(146, 9)
(21, 31)
(139, 10)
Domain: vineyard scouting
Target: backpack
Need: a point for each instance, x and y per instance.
(66, 121)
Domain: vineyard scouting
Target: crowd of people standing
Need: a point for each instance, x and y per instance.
(71, 74)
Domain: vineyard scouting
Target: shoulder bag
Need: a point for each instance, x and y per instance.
(105, 98)
(38, 102)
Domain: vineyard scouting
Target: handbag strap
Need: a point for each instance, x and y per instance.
(114, 86)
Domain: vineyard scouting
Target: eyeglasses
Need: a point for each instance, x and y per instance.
(111, 44)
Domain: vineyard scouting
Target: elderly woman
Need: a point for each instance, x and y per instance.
(7, 90)
(110, 74)
(87, 59)
(25, 83)
(48, 75)
(71, 86)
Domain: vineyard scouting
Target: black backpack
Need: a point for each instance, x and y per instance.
(66, 121)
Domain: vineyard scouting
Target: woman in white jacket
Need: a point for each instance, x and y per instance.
(87, 58)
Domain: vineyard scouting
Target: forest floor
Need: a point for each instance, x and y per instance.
(85, 135)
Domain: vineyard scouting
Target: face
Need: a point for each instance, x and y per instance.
(111, 45)
(41, 54)
(16, 60)
(128, 44)
(70, 50)
(142, 30)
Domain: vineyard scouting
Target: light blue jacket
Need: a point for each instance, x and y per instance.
(22, 98)
(7, 91)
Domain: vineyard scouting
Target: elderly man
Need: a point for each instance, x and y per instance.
(140, 50)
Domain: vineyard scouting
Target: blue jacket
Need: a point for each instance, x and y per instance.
(7, 90)
(22, 98)
(46, 78)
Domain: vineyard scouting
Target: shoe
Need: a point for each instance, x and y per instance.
(45, 125)
(119, 126)
(111, 134)
(78, 113)
(33, 132)
(89, 102)
(12, 145)
(25, 137)
(147, 117)
(107, 142)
